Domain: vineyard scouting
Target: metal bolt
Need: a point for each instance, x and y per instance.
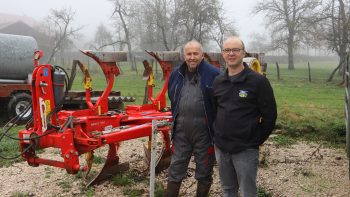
(67, 156)
(72, 151)
(63, 137)
(76, 153)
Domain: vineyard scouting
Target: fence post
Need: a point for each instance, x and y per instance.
(278, 71)
(156, 70)
(347, 108)
(308, 66)
(264, 69)
(153, 162)
(134, 63)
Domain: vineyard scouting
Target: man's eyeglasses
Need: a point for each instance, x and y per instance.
(234, 50)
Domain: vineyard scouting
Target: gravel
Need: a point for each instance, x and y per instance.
(304, 169)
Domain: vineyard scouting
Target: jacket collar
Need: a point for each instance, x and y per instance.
(241, 76)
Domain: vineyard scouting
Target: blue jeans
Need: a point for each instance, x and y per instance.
(238, 171)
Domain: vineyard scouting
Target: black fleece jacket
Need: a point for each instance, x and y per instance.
(245, 111)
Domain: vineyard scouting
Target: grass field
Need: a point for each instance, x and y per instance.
(312, 110)
(309, 110)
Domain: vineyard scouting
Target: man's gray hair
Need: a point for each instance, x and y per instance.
(193, 42)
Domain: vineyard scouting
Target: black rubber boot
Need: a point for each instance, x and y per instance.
(173, 189)
(202, 189)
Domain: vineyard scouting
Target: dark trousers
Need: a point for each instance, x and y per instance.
(185, 145)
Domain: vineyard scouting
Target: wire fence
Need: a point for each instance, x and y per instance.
(305, 89)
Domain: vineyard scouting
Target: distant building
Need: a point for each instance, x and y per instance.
(21, 28)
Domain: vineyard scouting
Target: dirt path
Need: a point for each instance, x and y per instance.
(301, 170)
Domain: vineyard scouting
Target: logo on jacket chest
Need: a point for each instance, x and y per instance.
(243, 93)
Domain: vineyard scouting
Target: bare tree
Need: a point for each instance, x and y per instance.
(258, 43)
(59, 27)
(124, 11)
(334, 27)
(102, 38)
(199, 16)
(162, 23)
(168, 24)
(288, 21)
(174, 22)
(223, 27)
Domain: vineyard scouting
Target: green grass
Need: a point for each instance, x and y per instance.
(98, 159)
(89, 192)
(263, 193)
(309, 110)
(131, 192)
(10, 148)
(65, 185)
(20, 194)
(283, 140)
(128, 179)
(122, 180)
(159, 189)
(303, 172)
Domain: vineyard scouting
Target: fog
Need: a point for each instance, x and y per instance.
(90, 13)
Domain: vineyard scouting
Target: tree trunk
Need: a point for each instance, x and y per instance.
(290, 53)
(342, 67)
(341, 63)
(127, 37)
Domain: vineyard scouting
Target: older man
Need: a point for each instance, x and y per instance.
(246, 115)
(190, 91)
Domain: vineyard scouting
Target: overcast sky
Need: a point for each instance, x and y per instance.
(90, 13)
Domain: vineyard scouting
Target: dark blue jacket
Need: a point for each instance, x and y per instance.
(207, 74)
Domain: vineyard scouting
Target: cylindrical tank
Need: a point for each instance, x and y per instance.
(58, 86)
(16, 56)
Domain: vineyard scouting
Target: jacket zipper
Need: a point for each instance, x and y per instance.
(177, 102)
(205, 112)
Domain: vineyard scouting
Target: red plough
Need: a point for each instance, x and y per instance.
(82, 131)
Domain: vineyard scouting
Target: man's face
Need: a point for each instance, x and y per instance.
(193, 56)
(233, 53)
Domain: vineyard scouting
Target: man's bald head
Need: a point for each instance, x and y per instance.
(234, 39)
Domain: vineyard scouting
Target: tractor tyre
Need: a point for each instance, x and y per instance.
(18, 104)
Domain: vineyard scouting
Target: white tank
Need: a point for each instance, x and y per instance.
(16, 56)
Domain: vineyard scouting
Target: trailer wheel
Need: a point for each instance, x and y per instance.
(17, 104)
